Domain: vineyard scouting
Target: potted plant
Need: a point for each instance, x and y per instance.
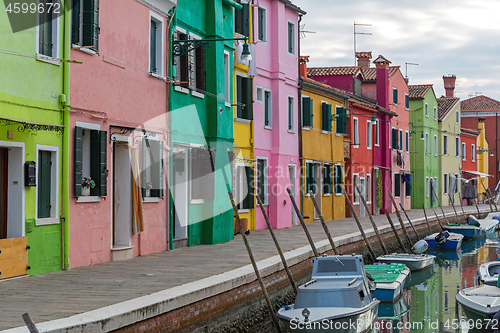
(87, 184)
(149, 186)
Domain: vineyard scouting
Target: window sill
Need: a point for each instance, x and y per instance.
(227, 104)
(181, 89)
(151, 199)
(306, 128)
(268, 127)
(340, 134)
(355, 203)
(325, 132)
(83, 49)
(355, 146)
(243, 211)
(93, 198)
(326, 194)
(197, 94)
(242, 121)
(158, 77)
(47, 221)
(291, 131)
(197, 201)
(49, 60)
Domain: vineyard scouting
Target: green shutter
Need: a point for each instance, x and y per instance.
(261, 178)
(245, 20)
(78, 160)
(248, 202)
(394, 138)
(339, 178)
(44, 183)
(91, 24)
(311, 180)
(395, 96)
(323, 117)
(95, 160)
(408, 189)
(306, 111)
(407, 102)
(103, 165)
(239, 96)
(400, 143)
(247, 98)
(75, 21)
(329, 118)
(397, 185)
(341, 121)
(327, 178)
(152, 47)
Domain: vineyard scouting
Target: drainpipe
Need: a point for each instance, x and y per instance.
(65, 144)
(300, 124)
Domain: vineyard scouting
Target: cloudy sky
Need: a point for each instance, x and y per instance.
(460, 37)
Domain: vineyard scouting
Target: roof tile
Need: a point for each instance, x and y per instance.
(418, 90)
(370, 74)
(445, 104)
(333, 71)
(480, 104)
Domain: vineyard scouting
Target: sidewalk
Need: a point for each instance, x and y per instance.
(67, 293)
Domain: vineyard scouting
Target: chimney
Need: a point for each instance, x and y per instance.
(382, 65)
(303, 65)
(364, 59)
(449, 85)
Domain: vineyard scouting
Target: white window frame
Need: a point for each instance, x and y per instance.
(427, 144)
(86, 158)
(239, 194)
(368, 188)
(446, 179)
(473, 153)
(192, 72)
(259, 91)
(377, 133)
(294, 42)
(427, 110)
(369, 134)
(54, 178)
(427, 187)
(260, 7)
(160, 54)
(227, 79)
(407, 141)
(290, 117)
(56, 36)
(464, 151)
(266, 178)
(177, 66)
(435, 145)
(457, 146)
(355, 194)
(355, 132)
(264, 91)
(435, 113)
(445, 147)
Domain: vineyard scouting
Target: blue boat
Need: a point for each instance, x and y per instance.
(444, 241)
(485, 227)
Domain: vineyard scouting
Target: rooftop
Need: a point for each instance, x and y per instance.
(445, 104)
(418, 90)
(324, 86)
(333, 71)
(480, 104)
(370, 74)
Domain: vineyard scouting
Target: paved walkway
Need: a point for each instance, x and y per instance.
(66, 293)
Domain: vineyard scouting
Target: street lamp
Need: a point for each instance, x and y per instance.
(421, 135)
(182, 47)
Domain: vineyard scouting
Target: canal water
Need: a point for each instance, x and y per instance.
(428, 303)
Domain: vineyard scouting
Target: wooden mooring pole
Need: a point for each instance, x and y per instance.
(426, 220)
(283, 260)
(323, 223)
(451, 200)
(400, 219)
(439, 203)
(462, 206)
(478, 214)
(408, 218)
(437, 217)
(487, 196)
(29, 323)
(395, 231)
(371, 220)
(301, 219)
(358, 223)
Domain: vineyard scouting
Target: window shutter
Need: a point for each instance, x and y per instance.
(400, 143)
(183, 65)
(75, 21)
(191, 67)
(329, 118)
(152, 48)
(78, 160)
(261, 180)
(327, 185)
(341, 121)
(245, 11)
(103, 170)
(91, 24)
(290, 37)
(397, 185)
(395, 96)
(394, 138)
(306, 111)
(311, 180)
(95, 161)
(145, 146)
(247, 92)
(339, 178)
(323, 116)
(407, 102)
(201, 72)
(408, 189)
(239, 96)
(249, 199)
(44, 183)
(238, 20)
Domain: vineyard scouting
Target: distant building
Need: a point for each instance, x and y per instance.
(469, 169)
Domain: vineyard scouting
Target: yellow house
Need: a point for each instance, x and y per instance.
(482, 158)
(322, 150)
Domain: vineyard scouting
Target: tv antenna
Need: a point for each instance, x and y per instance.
(475, 94)
(304, 32)
(359, 33)
(406, 68)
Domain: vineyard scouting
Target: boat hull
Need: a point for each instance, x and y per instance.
(488, 273)
(470, 232)
(388, 292)
(452, 244)
(413, 262)
(479, 303)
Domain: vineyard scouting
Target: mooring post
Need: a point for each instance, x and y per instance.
(487, 196)
(29, 323)
(426, 220)
(437, 217)
(478, 214)
(400, 219)
(371, 220)
(285, 265)
(323, 223)
(408, 218)
(439, 202)
(451, 200)
(395, 231)
(303, 223)
(462, 206)
(247, 245)
(358, 223)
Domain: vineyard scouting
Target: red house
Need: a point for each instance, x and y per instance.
(468, 138)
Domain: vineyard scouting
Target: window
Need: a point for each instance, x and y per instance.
(245, 187)
(190, 68)
(339, 179)
(355, 183)
(456, 183)
(152, 169)
(90, 158)
(473, 153)
(47, 208)
(452, 183)
(463, 152)
(267, 108)
(426, 110)
(457, 147)
(435, 113)
(242, 20)
(355, 132)
(445, 183)
(408, 189)
(85, 24)
(397, 185)
(326, 117)
(376, 133)
(156, 44)
(435, 145)
(260, 94)
(457, 116)
(427, 143)
(395, 138)
(407, 140)
(244, 98)
(291, 38)
(180, 63)
(369, 134)
(310, 178)
(445, 145)
(400, 143)
(47, 33)
(307, 112)
(394, 96)
(407, 102)
(262, 24)
(227, 80)
(368, 194)
(291, 113)
(427, 187)
(262, 181)
(341, 120)
(327, 179)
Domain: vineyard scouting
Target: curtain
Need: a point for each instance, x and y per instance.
(138, 219)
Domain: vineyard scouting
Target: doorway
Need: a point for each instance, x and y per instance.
(122, 196)
(319, 188)
(293, 188)
(180, 195)
(362, 186)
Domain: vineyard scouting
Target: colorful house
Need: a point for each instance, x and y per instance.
(201, 121)
(34, 114)
(423, 108)
(469, 170)
(323, 132)
(119, 131)
(483, 149)
(276, 122)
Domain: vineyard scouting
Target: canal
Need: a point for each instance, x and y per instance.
(428, 302)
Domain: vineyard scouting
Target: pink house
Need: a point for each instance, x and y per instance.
(276, 109)
(118, 131)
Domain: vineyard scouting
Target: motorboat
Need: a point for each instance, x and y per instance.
(390, 280)
(476, 228)
(414, 262)
(336, 299)
(444, 241)
(480, 303)
(488, 273)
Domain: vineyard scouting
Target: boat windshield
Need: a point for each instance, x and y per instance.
(336, 266)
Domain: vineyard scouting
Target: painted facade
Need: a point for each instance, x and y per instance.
(120, 140)
(276, 143)
(449, 149)
(323, 149)
(34, 117)
(469, 181)
(482, 158)
(423, 110)
(201, 123)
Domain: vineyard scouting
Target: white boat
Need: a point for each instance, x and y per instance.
(488, 273)
(480, 303)
(336, 299)
(414, 262)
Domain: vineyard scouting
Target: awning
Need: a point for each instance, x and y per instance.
(477, 173)
(32, 126)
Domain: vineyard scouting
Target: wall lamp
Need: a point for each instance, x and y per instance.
(182, 47)
(480, 151)
(421, 135)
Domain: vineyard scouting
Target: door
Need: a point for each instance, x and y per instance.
(122, 195)
(291, 172)
(362, 188)
(3, 191)
(180, 194)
